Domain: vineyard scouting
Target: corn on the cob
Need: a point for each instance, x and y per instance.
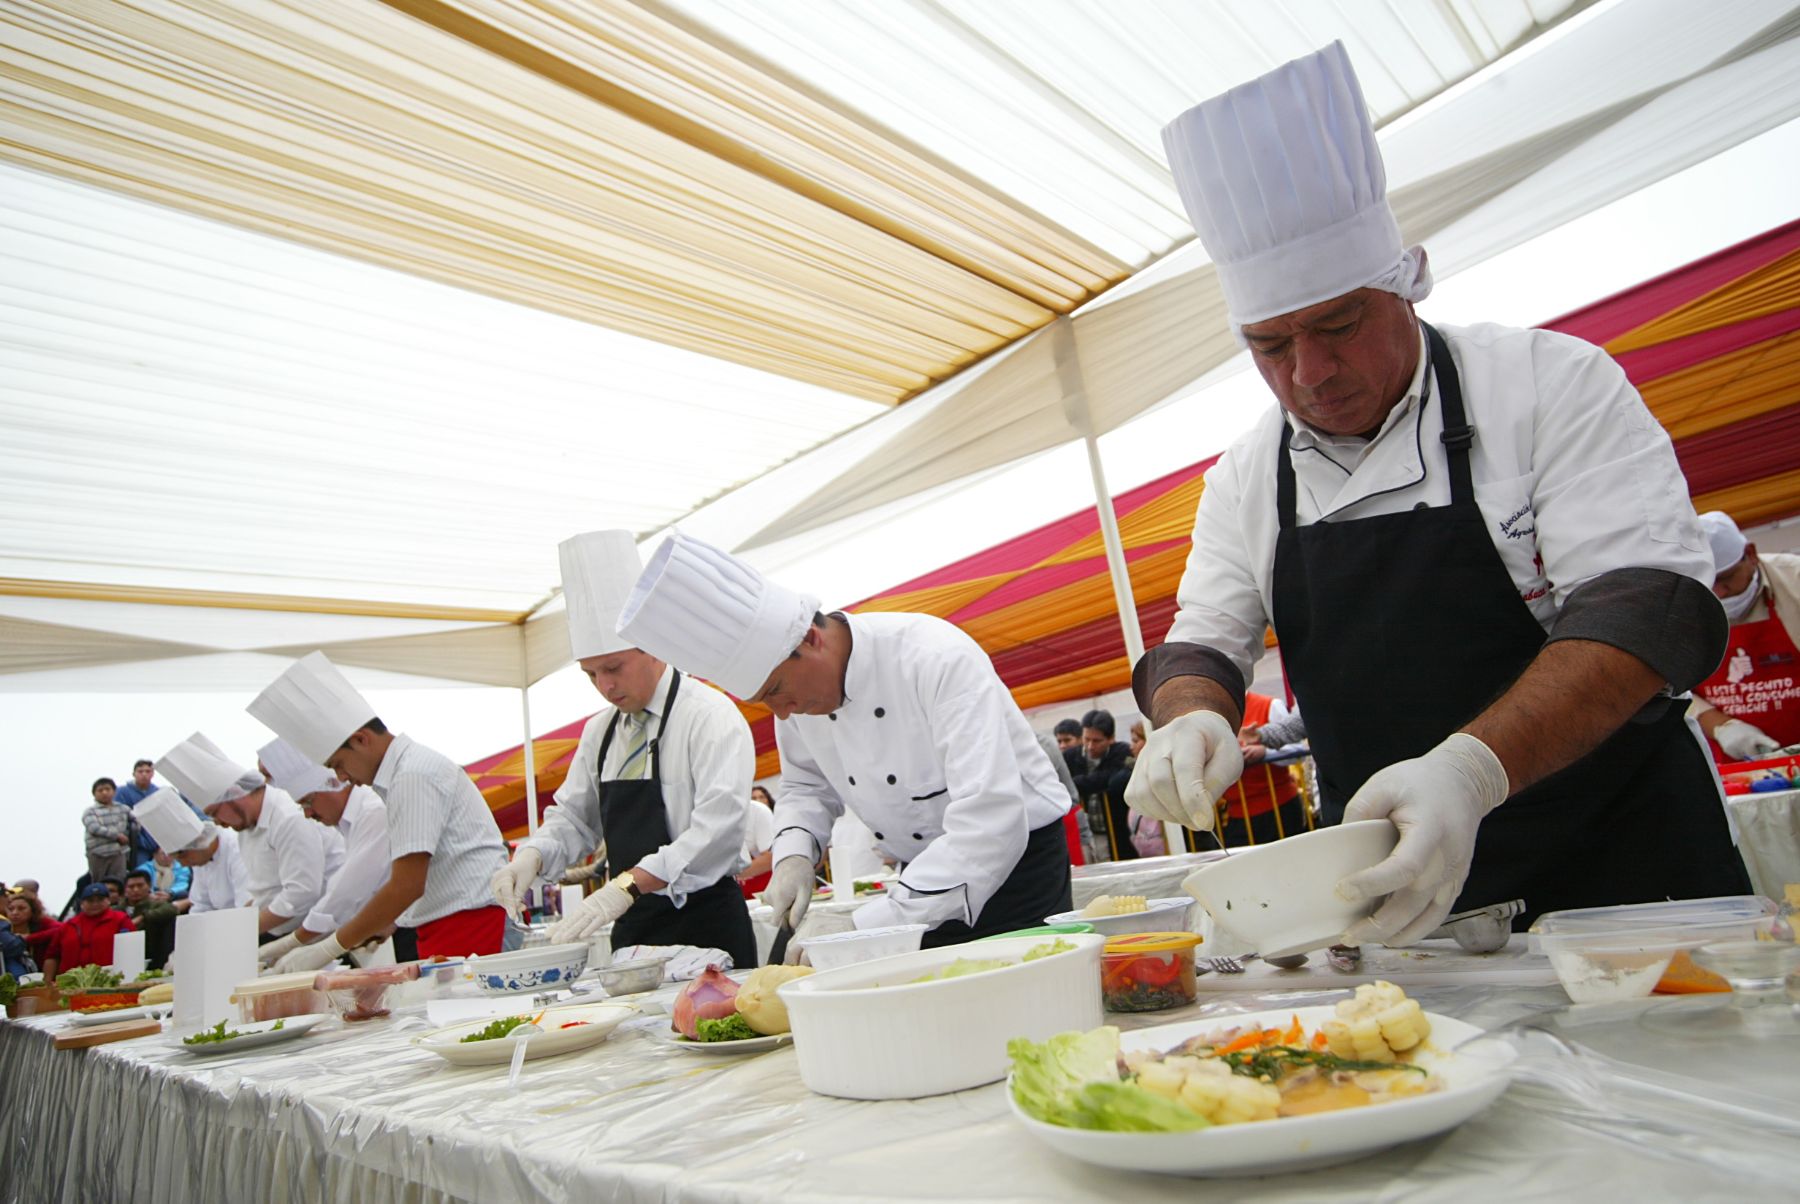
(1377, 1024)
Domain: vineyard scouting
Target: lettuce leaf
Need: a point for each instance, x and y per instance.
(1073, 1080)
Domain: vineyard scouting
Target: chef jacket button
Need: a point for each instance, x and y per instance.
(879, 836)
(1421, 506)
(832, 716)
(918, 836)
(853, 781)
(892, 779)
(880, 711)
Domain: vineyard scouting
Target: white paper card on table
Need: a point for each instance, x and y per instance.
(217, 951)
(571, 899)
(128, 954)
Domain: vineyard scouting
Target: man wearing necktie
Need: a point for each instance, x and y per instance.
(659, 778)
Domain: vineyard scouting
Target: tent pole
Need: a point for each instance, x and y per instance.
(531, 803)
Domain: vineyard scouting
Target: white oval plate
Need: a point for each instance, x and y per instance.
(748, 1045)
(601, 1018)
(1474, 1077)
(143, 1011)
(256, 1034)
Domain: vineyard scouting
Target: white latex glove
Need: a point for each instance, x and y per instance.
(512, 880)
(819, 923)
(267, 955)
(316, 956)
(1184, 768)
(1437, 801)
(1743, 741)
(594, 913)
(790, 890)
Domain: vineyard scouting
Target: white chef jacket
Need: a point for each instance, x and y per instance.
(289, 858)
(433, 807)
(222, 883)
(707, 761)
(1572, 474)
(932, 753)
(366, 862)
(759, 830)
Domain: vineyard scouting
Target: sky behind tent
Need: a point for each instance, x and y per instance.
(60, 742)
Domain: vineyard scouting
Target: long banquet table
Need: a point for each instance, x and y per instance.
(1601, 1105)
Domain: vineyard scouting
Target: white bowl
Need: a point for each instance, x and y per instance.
(1282, 898)
(870, 1031)
(529, 969)
(861, 945)
(1161, 915)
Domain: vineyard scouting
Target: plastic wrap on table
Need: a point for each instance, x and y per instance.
(359, 1114)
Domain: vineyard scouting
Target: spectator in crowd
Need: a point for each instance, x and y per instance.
(1137, 739)
(1101, 768)
(87, 939)
(115, 892)
(156, 919)
(169, 879)
(107, 826)
(1068, 734)
(25, 911)
(1076, 830)
(140, 787)
(759, 841)
(15, 958)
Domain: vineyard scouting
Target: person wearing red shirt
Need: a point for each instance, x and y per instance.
(28, 919)
(86, 938)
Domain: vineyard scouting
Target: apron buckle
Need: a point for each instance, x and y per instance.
(1458, 438)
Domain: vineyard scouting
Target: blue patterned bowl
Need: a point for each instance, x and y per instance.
(529, 969)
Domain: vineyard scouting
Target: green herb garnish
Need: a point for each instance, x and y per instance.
(497, 1029)
(218, 1032)
(1272, 1061)
(87, 978)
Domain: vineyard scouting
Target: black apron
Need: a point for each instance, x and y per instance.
(1397, 629)
(1037, 887)
(636, 824)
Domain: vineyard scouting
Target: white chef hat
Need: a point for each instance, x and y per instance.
(598, 570)
(170, 820)
(1727, 542)
(312, 706)
(291, 771)
(708, 613)
(201, 770)
(1285, 186)
(209, 832)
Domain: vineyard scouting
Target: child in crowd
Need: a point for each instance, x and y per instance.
(107, 825)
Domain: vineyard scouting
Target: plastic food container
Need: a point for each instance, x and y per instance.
(861, 945)
(1159, 915)
(105, 999)
(1148, 971)
(629, 978)
(873, 1031)
(279, 996)
(364, 994)
(1608, 953)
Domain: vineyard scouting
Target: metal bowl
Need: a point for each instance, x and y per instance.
(629, 978)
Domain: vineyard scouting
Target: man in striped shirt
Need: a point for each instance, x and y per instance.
(442, 838)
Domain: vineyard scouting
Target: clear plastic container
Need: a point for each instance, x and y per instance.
(1148, 971)
(279, 996)
(368, 993)
(1603, 954)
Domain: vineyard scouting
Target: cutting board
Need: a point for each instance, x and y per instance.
(101, 1034)
(1427, 964)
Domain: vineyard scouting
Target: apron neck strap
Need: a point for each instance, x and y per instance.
(650, 750)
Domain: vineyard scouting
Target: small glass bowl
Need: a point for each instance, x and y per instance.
(1757, 1007)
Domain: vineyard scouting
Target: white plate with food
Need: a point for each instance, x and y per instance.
(229, 1037)
(491, 1043)
(743, 1045)
(145, 1011)
(1325, 1115)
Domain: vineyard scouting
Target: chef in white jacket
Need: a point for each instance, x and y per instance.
(658, 778)
(288, 858)
(219, 881)
(357, 814)
(898, 717)
(1474, 544)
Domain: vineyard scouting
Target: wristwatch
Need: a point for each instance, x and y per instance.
(628, 884)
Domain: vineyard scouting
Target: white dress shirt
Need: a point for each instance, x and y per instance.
(1572, 474)
(759, 829)
(707, 760)
(366, 862)
(289, 858)
(931, 752)
(433, 807)
(222, 883)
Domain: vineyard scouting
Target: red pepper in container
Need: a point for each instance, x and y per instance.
(1148, 971)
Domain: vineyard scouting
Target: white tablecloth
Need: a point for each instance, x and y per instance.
(361, 1115)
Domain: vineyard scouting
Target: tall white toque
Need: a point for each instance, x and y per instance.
(312, 706)
(598, 571)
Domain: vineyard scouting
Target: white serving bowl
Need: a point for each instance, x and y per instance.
(1161, 915)
(869, 1031)
(529, 969)
(1281, 898)
(861, 945)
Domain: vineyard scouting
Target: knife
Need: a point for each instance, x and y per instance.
(778, 950)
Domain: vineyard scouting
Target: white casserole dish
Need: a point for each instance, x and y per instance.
(869, 1031)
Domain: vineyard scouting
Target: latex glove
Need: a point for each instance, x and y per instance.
(316, 956)
(1437, 801)
(1184, 768)
(1743, 741)
(267, 955)
(594, 913)
(790, 890)
(512, 880)
(819, 923)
